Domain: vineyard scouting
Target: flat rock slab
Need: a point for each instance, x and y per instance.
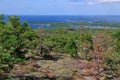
(61, 69)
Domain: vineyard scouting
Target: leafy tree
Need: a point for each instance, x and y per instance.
(14, 20)
(16, 40)
(2, 20)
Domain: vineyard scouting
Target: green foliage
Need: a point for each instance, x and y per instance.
(1, 20)
(6, 60)
(86, 44)
(112, 60)
(62, 41)
(16, 40)
(14, 20)
(116, 36)
(16, 37)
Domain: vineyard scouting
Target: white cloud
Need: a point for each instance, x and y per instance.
(91, 2)
(107, 1)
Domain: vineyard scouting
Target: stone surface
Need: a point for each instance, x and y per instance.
(64, 68)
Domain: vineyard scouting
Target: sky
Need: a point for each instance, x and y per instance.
(60, 7)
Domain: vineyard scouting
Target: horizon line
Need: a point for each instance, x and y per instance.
(60, 15)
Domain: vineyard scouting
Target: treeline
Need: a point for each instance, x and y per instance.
(19, 42)
(76, 25)
(104, 24)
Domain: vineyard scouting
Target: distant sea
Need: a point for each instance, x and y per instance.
(33, 20)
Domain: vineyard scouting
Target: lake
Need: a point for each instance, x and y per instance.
(34, 20)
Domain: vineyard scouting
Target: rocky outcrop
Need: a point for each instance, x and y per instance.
(64, 68)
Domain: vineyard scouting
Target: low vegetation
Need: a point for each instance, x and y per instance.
(19, 43)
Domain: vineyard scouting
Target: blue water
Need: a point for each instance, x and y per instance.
(33, 20)
(46, 18)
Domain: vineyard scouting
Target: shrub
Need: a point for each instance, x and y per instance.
(112, 60)
(16, 40)
(116, 37)
(61, 41)
(86, 44)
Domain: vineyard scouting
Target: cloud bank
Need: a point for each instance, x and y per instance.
(94, 1)
(107, 1)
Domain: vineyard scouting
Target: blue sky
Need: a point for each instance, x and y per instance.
(60, 7)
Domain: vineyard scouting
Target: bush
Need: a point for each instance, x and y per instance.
(6, 60)
(116, 37)
(16, 40)
(86, 44)
(113, 60)
(61, 41)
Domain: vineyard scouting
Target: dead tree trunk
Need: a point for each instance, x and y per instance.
(41, 40)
